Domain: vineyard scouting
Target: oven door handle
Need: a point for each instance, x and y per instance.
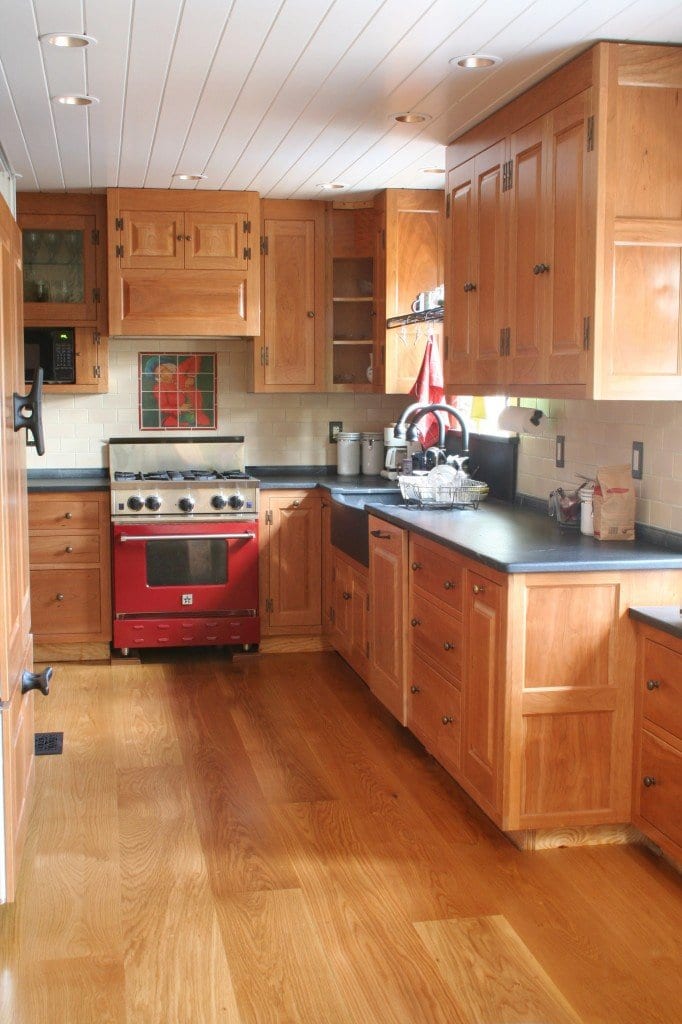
(126, 537)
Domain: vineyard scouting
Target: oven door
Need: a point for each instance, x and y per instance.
(186, 568)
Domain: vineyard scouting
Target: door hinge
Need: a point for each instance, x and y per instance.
(586, 333)
(501, 341)
(368, 602)
(246, 226)
(119, 223)
(367, 648)
(264, 245)
(96, 295)
(269, 604)
(268, 518)
(119, 250)
(247, 253)
(505, 340)
(332, 614)
(446, 348)
(97, 372)
(590, 133)
(447, 204)
(94, 236)
(507, 175)
(264, 355)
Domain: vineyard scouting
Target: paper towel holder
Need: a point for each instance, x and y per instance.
(520, 418)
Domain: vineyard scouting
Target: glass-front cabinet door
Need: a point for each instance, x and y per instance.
(60, 268)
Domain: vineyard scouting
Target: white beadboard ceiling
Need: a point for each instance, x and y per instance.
(279, 96)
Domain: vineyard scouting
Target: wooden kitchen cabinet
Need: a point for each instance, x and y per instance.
(65, 279)
(350, 612)
(657, 768)
(183, 263)
(590, 200)
(387, 614)
(410, 255)
(290, 563)
(353, 301)
(290, 353)
(69, 551)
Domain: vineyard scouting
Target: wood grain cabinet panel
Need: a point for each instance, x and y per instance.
(434, 712)
(436, 572)
(290, 562)
(387, 614)
(350, 612)
(69, 549)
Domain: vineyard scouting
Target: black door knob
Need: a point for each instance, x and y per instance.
(37, 681)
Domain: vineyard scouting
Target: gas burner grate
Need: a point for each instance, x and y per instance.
(48, 743)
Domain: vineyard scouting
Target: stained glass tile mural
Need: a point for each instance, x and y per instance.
(177, 391)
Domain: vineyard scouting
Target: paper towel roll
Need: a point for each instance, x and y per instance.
(521, 419)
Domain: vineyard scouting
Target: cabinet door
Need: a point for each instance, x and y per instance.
(388, 613)
(359, 610)
(60, 268)
(481, 695)
(215, 241)
(342, 595)
(488, 284)
(294, 561)
(153, 239)
(459, 355)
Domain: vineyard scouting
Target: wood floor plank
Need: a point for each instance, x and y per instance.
(492, 974)
(73, 991)
(145, 729)
(279, 969)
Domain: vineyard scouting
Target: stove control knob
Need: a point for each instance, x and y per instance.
(135, 503)
(153, 503)
(186, 504)
(236, 501)
(218, 502)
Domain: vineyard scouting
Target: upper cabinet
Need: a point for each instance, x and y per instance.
(564, 237)
(290, 353)
(410, 257)
(183, 263)
(353, 304)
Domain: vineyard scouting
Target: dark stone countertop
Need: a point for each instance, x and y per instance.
(667, 618)
(44, 481)
(305, 477)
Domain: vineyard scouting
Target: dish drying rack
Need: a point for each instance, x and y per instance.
(420, 492)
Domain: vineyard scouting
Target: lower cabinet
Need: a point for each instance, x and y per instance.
(349, 613)
(290, 562)
(387, 614)
(657, 770)
(69, 552)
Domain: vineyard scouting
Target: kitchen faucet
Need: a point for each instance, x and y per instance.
(406, 427)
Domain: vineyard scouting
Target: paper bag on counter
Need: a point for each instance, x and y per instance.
(614, 504)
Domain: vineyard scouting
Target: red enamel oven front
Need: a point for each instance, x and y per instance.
(185, 582)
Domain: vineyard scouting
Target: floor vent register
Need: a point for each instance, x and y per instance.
(48, 743)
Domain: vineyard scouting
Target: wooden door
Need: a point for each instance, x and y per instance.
(388, 614)
(570, 241)
(488, 281)
(290, 354)
(458, 365)
(15, 639)
(482, 686)
(529, 283)
(153, 239)
(295, 562)
(215, 241)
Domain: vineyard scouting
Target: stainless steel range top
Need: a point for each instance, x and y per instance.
(166, 479)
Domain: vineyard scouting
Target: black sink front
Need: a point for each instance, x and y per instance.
(349, 530)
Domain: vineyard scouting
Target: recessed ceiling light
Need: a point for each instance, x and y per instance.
(474, 61)
(433, 170)
(410, 117)
(75, 100)
(333, 186)
(67, 39)
(190, 177)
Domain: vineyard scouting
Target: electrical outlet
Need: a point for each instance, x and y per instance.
(559, 451)
(637, 459)
(335, 427)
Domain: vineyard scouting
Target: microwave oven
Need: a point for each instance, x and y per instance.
(53, 348)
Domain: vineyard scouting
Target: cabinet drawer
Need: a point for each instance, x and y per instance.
(437, 573)
(64, 514)
(437, 634)
(433, 712)
(659, 803)
(67, 549)
(662, 683)
(65, 603)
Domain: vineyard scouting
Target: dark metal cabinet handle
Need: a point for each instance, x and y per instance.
(180, 238)
(653, 684)
(649, 780)
(68, 549)
(296, 503)
(68, 515)
(188, 238)
(541, 268)
(447, 719)
(447, 646)
(449, 585)
(478, 588)
(416, 622)
(59, 597)
(28, 412)
(37, 681)
(346, 595)
(311, 313)
(380, 535)
(470, 286)
(416, 565)
(414, 689)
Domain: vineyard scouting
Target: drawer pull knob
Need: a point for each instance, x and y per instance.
(541, 268)
(416, 565)
(649, 780)
(180, 237)
(449, 585)
(414, 689)
(416, 622)
(296, 503)
(37, 681)
(346, 595)
(68, 549)
(311, 314)
(447, 719)
(478, 588)
(448, 646)
(68, 515)
(653, 684)
(60, 597)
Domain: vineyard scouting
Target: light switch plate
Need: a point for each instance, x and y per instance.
(560, 451)
(637, 460)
